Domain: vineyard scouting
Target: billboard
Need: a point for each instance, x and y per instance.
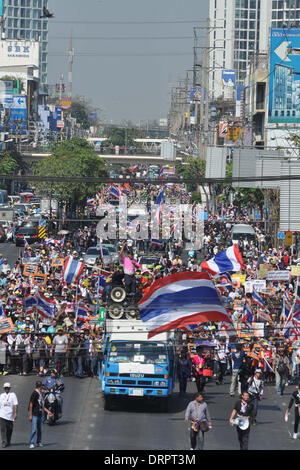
(284, 81)
(228, 78)
(19, 52)
(196, 94)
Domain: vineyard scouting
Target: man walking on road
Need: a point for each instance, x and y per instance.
(197, 412)
(237, 361)
(243, 410)
(8, 413)
(36, 415)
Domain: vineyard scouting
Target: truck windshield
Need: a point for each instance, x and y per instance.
(142, 352)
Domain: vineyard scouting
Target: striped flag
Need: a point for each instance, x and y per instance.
(224, 261)
(155, 242)
(72, 270)
(30, 304)
(45, 306)
(257, 299)
(247, 316)
(180, 299)
(82, 313)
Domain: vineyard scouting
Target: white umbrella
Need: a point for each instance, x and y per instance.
(63, 232)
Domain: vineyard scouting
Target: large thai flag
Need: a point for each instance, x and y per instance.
(247, 317)
(30, 304)
(256, 299)
(72, 270)
(181, 299)
(45, 306)
(226, 260)
(286, 306)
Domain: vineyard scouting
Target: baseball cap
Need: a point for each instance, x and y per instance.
(7, 385)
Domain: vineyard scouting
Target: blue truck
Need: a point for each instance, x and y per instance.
(134, 366)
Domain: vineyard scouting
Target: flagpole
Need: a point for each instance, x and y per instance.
(98, 284)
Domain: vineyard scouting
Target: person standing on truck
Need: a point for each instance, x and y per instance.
(198, 414)
(129, 270)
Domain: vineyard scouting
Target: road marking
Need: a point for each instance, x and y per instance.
(96, 405)
(89, 436)
(92, 425)
(94, 415)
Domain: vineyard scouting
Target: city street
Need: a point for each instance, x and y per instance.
(140, 425)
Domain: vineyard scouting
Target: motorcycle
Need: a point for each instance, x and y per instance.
(53, 402)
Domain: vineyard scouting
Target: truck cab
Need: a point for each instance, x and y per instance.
(134, 366)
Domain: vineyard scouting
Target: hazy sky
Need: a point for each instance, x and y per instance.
(114, 73)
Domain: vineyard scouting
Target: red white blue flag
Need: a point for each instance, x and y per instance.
(181, 299)
(72, 270)
(224, 261)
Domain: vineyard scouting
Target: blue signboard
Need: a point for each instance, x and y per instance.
(1, 7)
(281, 236)
(18, 114)
(284, 81)
(196, 94)
(228, 78)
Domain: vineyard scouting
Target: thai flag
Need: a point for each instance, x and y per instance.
(161, 172)
(286, 306)
(62, 242)
(1, 260)
(45, 306)
(82, 313)
(72, 270)
(156, 242)
(101, 283)
(90, 201)
(180, 299)
(2, 311)
(30, 304)
(247, 316)
(226, 260)
(159, 205)
(257, 299)
(114, 191)
(26, 247)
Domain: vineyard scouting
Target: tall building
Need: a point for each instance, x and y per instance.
(21, 20)
(241, 28)
(234, 37)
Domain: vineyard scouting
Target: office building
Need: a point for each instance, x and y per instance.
(21, 20)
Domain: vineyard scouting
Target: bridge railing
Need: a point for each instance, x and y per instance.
(31, 149)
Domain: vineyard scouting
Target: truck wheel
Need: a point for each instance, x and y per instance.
(107, 403)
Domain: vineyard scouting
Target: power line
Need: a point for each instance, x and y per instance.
(121, 38)
(117, 54)
(134, 22)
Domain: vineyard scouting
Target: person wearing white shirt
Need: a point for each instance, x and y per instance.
(8, 413)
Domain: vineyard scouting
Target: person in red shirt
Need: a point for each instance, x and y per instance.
(198, 362)
(286, 258)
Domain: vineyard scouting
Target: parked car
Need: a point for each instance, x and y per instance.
(94, 252)
(113, 252)
(147, 261)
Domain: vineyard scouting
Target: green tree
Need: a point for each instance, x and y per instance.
(80, 113)
(122, 136)
(193, 168)
(76, 158)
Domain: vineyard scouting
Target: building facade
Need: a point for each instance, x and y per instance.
(21, 20)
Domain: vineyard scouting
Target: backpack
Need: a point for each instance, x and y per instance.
(281, 368)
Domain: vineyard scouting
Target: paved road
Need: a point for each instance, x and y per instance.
(11, 252)
(141, 426)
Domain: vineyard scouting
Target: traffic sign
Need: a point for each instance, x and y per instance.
(42, 229)
(280, 236)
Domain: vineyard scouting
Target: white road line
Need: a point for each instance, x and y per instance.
(89, 436)
(92, 425)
